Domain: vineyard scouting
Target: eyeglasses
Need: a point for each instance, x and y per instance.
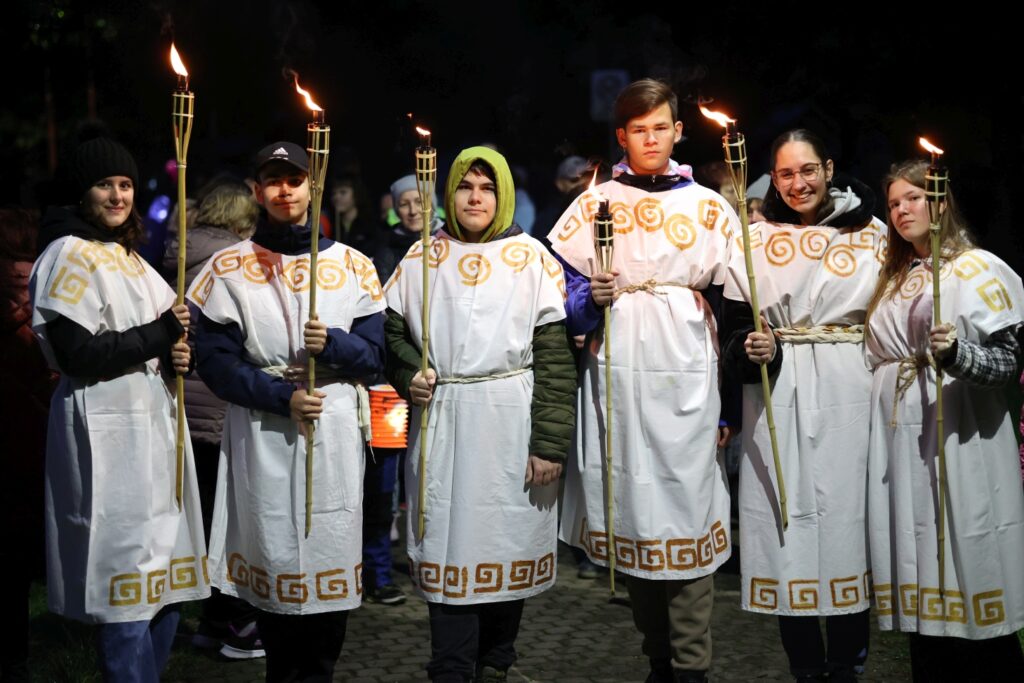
(808, 172)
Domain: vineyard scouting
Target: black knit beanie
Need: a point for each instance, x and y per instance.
(97, 159)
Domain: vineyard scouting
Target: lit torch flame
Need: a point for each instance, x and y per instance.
(718, 117)
(425, 135)
(177, 64)
(935, 151)
(309, 98)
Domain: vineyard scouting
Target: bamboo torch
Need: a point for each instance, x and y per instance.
(426, 178)
(936, 184)
(181, 121)
(735, 146)
(604, 245)
(318, 144)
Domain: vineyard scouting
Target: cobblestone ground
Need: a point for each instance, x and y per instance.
(569, 634)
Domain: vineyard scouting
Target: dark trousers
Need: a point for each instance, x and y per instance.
(464, 637)
(675, 619)
(935, 659)
(847, 636)
(302, 647)
(137, 651)
(379, 484)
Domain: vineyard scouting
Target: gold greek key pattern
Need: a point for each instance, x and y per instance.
(201, 289)
(363, 268)
(358, 571)
(622, 218)
(845, 591)
(326, 585)
(91, 256)
(813, 243)
(649, 214)
(764, 593)
(865, 238)
(588, 207)
(474, 269)
(841, 260)
(780, 249)
(395, 277)
(554, 270)
(995, 296)
(517, 255)
(708, 213)
(988, 608)
(572, 224)
(331, 585)
(260, 583)
(883, 599)
(487, 577)
(968, 265)
(654, 555)
(132, 588)
(803, 594)
(883, 249)
(932, 607)
(68, 287)
(928, 605)
(908, 599)
(292, 589)
(680, 231)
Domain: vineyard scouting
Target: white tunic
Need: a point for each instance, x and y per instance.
(258, 549)
(118, 547)
(489, 536)
(806, 277)
(671, 497)
(984, 547)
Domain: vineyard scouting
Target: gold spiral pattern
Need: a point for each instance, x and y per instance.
(649, 214)
(489, 578)
(331, 585)
(803, 594)
(474, 269)
(680, 231)
(439, 249)
(292, 589)
(779, 250)
(916, 282)
(330, 275)
(257, 268)
(156, 584)
(622, 218)
(125, 589)
(841, 260)
(517, 255)
(296, 274)
(813, 243)
(228, 262)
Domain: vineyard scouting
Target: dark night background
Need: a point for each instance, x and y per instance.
(868, 78)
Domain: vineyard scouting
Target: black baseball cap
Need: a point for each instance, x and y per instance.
(288, 152)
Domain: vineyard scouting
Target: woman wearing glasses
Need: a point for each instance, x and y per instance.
(816, 260)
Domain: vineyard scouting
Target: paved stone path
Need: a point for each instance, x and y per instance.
(570, 634)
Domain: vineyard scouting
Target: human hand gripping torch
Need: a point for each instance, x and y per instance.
(318, 144)
(936, 182)
(426, 178)
(604, 245)
(181, 121)
(735, 146)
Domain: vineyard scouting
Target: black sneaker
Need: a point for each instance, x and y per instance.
(243, 643)
(488, 674)
(386, 595)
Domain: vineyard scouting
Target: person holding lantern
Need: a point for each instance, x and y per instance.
(120, 552)
(253, 338)
(672, 239)
(816, 261)
(967, 628)
(500, 398)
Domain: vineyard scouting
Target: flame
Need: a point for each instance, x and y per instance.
(718, 117)
(309, 98)
(396, 418)
(176, 63)
(929, 146)
(593, 181)
(422, 131)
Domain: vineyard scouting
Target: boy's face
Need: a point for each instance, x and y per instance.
(649, 139)
(283, 191)
(476, 202)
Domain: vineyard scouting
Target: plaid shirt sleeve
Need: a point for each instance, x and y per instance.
(995, 363)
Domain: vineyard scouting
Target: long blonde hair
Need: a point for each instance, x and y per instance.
(954, 236)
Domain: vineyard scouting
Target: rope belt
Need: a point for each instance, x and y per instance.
(906, 375)
(300, 373)
(821, 334)
(648, 286)
(484, 378)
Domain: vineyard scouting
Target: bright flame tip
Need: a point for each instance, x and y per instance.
(309, 98)
(176, 63)
(720, 118)
(422, 131)
(923, 141)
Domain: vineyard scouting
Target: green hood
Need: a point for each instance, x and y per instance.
(503, 179)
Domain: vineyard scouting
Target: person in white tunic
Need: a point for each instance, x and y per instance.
(967, 628)
(500, 397)
(120, 551)
(671, 498)
(253, 340)
(816, 260)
